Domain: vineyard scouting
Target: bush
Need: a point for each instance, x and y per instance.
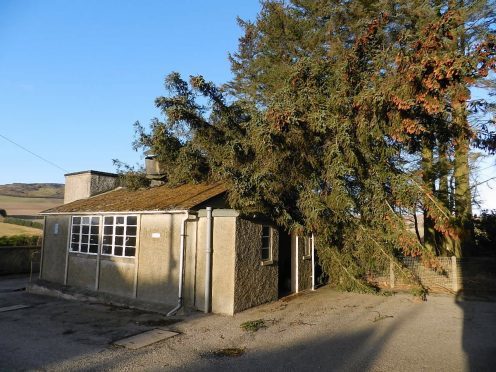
(3, 213)
(19, 240)
(17, 221)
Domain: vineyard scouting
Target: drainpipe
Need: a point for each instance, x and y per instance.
(313, 262)
(208, 260)
(181, 266)
(297, 268)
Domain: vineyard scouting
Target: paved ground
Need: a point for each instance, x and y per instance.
(324, 330)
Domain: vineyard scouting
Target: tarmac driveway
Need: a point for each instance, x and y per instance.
(323, 330)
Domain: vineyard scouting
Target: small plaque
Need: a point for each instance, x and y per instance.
(155, 235)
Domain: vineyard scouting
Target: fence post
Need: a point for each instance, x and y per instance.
(391, 274)
(454, 275)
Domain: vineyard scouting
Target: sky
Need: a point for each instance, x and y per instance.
(75, 75)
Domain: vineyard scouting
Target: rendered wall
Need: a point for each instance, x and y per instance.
(223, 256)
(117, 275)
(158, 265)
(81, 270)
(55, 248)
(255, 283)
(85, 184)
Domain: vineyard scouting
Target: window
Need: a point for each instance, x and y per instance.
(85, 233)
(307, 247)
(266, 243)
(119, 236)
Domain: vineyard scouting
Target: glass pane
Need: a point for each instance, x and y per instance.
(130, 252)
(107, 239)
(76, 229)
(265, 254)
(84, 238)
(119, 220)
(265, 242)
(75, 238)
(131, 241)
(119, 240)
(106, 249)
(94, 230)
(74, 247)
(95, 220)
(118, 251)
(93, 248)
(108, 230)
(109, 220)
(85, 229)
(265, 230)
(132, 220)
(119, 230)
(85, 220)
(131, 230)
(76, 220)
(84, 248)
(94, 239)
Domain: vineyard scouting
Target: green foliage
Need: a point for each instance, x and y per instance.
(131, 177)
(19, 240)
(253, 325)
(485, 234)
(324, 125)
(20, 222)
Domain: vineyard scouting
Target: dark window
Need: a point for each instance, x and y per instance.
(266, 243)
(85, 234)
(119, 236)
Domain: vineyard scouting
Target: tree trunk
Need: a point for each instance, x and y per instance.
(427, 175)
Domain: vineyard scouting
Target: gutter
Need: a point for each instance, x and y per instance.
(208, 261)
(181, 266)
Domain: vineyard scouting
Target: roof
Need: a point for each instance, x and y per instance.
(160, 198)
(98, 173)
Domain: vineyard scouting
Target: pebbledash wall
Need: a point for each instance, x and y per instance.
(239, 278)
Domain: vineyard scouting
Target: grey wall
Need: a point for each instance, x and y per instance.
(255, 284)
(55, 248)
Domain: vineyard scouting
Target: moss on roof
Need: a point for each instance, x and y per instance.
(160, 198)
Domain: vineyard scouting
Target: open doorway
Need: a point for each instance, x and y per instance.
(284, 263)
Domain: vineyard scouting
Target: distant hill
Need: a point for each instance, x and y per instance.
(33, 190)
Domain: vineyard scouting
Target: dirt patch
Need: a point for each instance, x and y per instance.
(226, 352)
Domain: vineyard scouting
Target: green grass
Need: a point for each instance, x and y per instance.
(253, 325)
(7, 229)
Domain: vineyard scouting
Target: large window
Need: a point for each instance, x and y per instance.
(85, 233)
(119, 235)
(266, 243)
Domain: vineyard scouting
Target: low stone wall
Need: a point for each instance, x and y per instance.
(17, 260)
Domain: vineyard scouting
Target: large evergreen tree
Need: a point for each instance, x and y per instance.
(341, 116)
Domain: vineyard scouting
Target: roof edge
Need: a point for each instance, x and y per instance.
(98, 173)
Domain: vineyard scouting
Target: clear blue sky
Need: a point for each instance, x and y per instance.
(75, 75)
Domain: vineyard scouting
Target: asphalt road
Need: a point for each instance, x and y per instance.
(323, 330)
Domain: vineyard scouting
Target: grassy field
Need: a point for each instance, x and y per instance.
(33, 190)
(27, 206)
(7, 229)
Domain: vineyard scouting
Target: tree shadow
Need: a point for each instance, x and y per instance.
(477, 300)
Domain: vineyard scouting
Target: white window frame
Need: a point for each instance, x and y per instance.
(79, 226)
(266, 236)
(110, 239)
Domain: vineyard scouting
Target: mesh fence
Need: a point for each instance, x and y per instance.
(475, 275)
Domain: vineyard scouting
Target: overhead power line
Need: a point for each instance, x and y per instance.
(34, 154)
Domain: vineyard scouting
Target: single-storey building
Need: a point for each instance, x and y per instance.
(180, 246)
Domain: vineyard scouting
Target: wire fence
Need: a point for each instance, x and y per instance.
(473, 275)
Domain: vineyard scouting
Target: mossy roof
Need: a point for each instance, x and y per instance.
(160, 198)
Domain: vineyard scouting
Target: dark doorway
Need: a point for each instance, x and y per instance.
(284, 263)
